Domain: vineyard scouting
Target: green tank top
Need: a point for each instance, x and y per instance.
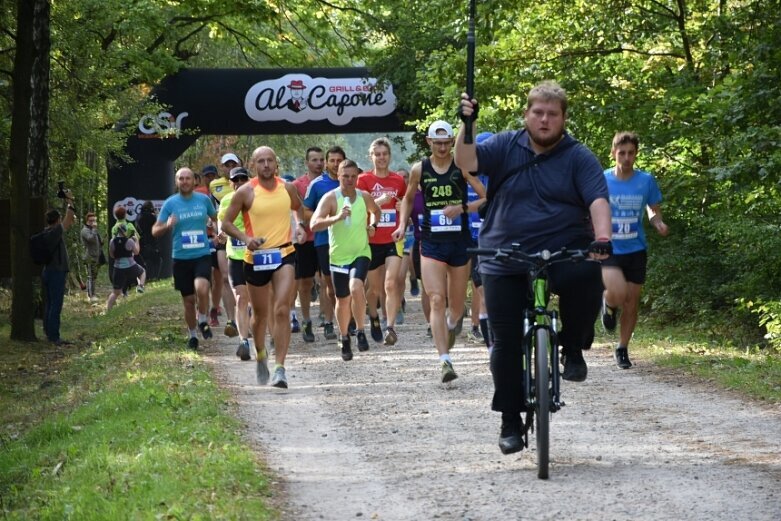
(234, 248)
(349, 239)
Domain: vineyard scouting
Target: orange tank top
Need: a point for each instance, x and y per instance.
(269, 217)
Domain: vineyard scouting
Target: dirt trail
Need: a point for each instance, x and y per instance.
(380, 438)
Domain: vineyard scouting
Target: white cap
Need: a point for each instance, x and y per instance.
(440, 130)
(229, 157)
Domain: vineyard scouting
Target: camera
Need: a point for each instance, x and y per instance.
(61, 189)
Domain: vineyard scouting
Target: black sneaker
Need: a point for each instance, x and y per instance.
(347, 352)
(329, 334)
(575, 368)
(307, 333)
(243, 350)
(363, 344)
(621, 356)
(511, 434)
(351, 327)
(376, 329)
(206, 331)
(609, 317)
(193, 343)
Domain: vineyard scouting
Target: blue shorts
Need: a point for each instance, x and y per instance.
(451, 253)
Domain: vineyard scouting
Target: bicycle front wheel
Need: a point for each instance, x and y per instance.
(542, 400)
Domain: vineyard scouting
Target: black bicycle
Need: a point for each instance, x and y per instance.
(541, 375)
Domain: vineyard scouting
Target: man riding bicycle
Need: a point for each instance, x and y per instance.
(553, 195)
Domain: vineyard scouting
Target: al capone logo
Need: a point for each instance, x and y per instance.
(163, 124)
(298, 98)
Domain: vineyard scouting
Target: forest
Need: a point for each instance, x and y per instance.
(698, 80)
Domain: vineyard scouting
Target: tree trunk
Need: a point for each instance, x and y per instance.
(28, 171)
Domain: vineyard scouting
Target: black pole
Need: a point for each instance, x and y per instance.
(470, 68)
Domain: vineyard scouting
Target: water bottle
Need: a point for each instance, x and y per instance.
(347, 204)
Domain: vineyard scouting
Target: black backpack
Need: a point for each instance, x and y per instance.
(40, 251)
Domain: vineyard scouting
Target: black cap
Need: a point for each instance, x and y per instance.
(209, 169)
(239, 171)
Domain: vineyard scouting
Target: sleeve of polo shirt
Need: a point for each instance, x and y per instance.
(491, 154)
(589, 176)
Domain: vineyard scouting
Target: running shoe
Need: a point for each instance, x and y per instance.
(279, 380)
(351, 327)
(448, 373)
(363, 344)
(230, 329)
(400, 317)
(390, 336)
(329, 334)
(243, 350)
(376, 329)
(609, 317)
(261, 369)
(206, 331)
(213, 320)
(295, 327)
(347, 352)
(414, 290)
(139, 289)
(475, 335)
(192, 343)
(621, 356)
(308, 335)
(428, 332)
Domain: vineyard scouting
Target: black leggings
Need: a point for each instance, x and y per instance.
(579, 286)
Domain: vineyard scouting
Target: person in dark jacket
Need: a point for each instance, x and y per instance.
(55, 271)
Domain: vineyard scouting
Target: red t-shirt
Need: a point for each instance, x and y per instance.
(393, 184)
(302, 184)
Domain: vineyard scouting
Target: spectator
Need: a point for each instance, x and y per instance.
(150, 252)
(56, 270)
(94, 257)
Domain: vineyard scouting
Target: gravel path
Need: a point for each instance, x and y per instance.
(380, 438)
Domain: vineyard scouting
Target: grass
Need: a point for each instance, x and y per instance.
(126, 424)
(755, 373)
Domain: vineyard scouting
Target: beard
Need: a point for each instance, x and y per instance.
(547, 140)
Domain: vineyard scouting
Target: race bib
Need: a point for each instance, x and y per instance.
(192, 239)
(625, 228)
(440, 223)
(236, 243)
(345, 270)
(266, 260)
(387, 219)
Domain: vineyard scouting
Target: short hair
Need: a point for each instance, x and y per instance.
(380, 142)
(626, 137)
(120, 212)
(548, 91)
(336, 149)
(89, 216)
(52, 216)
(312, 149)
(348, 163)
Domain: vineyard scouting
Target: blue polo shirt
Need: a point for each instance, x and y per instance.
(545, 206)
(316, 190)
(474, 219)
(628, 199)
(189, 233)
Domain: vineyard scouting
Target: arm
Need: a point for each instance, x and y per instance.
(325, 214)
(407, 202)
(601, 220)
(466, 155)
(70, 215)
(163, 225)
(241, 201)
(375, 214)
(655, 218)
(136, 249)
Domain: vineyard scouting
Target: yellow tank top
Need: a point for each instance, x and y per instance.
(269, 217)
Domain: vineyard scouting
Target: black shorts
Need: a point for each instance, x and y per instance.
(123, 277)
(451, 253)
(186, 271)
(416, 258)
(380, 252)
(632, 265)
(306, 260)
(261, 278)
(324, 259)
(341, 275)
(236, 272)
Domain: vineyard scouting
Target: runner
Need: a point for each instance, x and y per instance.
(186, 215)
(306, 254)
(265, 203)
(386, 188)
(445, 237)
(344, 212)
(317, 189)
(235, 254)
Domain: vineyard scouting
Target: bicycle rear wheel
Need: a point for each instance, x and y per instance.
(542, 400)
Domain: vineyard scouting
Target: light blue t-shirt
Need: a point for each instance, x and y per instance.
(474, 219)
(189, 233)
(628, 199)
(316, 190)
